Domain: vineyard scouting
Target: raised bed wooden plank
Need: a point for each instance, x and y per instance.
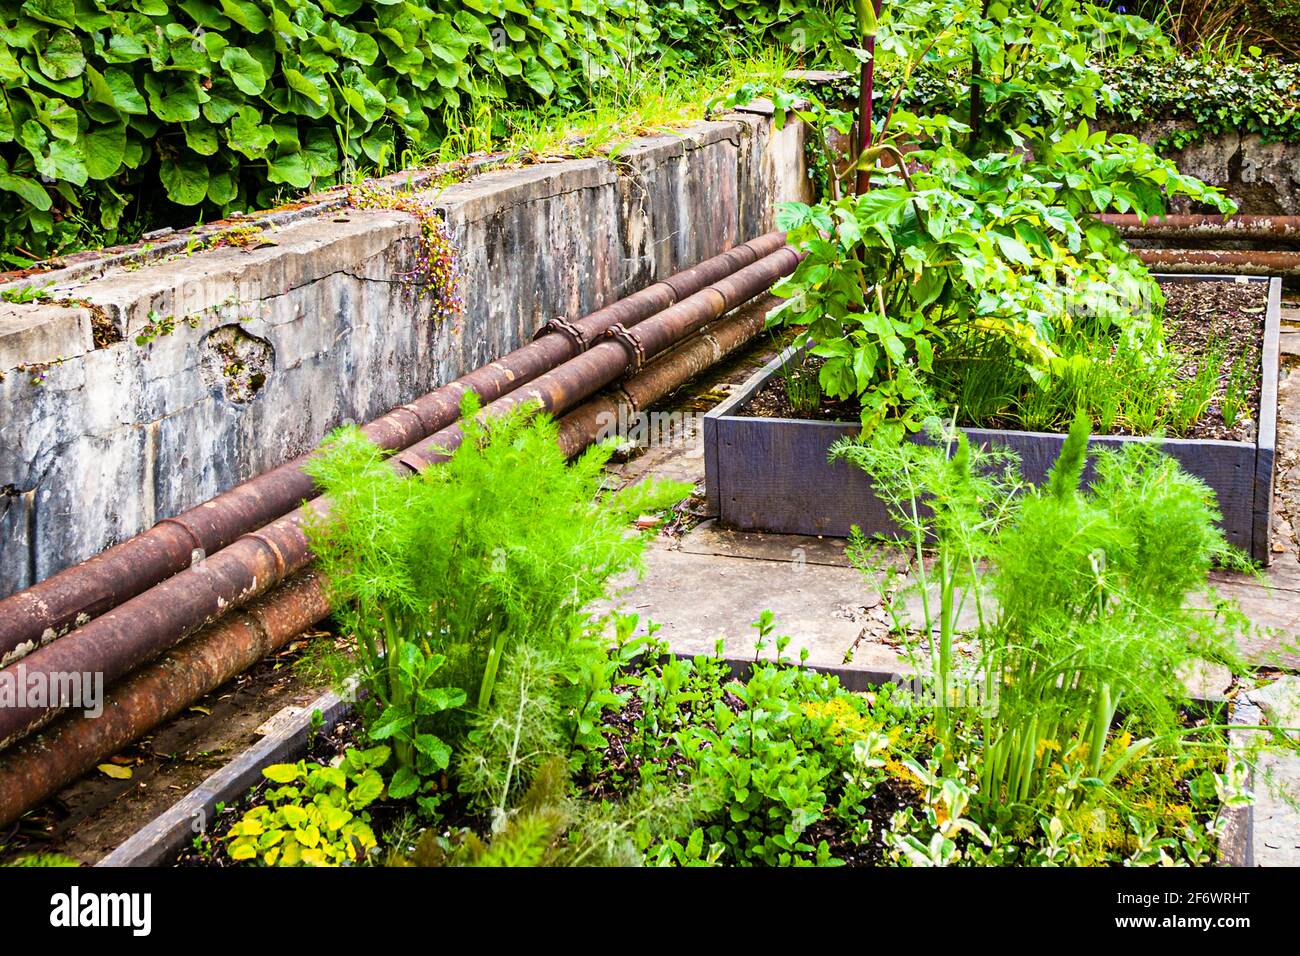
(158, 842)
(1266, 440)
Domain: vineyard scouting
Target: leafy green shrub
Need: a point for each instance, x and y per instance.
(316, 817)
(896, 275)
(227, 101)
(988, 222)
(443, 576)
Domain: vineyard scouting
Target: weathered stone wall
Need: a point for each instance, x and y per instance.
(274, 346)
(1262, 177)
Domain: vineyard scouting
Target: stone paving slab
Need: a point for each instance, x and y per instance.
(698, 599)
(710, 538)
(1277, 823)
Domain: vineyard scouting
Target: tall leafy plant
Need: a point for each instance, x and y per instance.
(985, 222)
(442, 576)
(1097, 619)
(1090, 605)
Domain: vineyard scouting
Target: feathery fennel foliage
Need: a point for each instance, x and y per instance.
(442, 575)
(1087, 601)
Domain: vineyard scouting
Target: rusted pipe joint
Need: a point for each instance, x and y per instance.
(562, 326)
(631, 345)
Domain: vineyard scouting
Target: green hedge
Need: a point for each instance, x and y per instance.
(227, 101)
(1249, 96)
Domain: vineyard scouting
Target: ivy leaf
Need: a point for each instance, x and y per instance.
(201, 137)
(185, 179)
(172, 102)
(205, 14)
(124, 47)
(248, 15)
(215, 45)
(353, 45)
(53, 158)
(29, 189)
(224, 102)
(57, 116)
(249, 135)
(538, 77)
(362, 95)
(62, 13)
(447, 44)
(315, 89)
(115, 88)
(507, 63)
(292, 170)
(320, 152)
(222, 188)
(244, 71)
(472, 28)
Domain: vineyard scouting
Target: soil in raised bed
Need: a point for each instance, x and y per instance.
(1198, 315)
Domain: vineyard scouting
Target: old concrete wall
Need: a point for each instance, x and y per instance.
(1262, 177)
(104, 441)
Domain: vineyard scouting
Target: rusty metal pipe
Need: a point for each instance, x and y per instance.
(582, 426)
(86, 590)
(40, 766)
(46, 763)
(141, 628)
(1207, 227)
(1227, 261)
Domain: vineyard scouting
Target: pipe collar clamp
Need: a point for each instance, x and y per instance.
(566, 328)
(631, 344)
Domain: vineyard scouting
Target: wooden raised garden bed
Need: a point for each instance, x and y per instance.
(772, 474)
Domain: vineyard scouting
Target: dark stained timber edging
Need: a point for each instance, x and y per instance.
(772, 474)
(158, 842)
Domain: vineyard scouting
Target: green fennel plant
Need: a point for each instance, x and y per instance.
(442, 575)
(1084, 603)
